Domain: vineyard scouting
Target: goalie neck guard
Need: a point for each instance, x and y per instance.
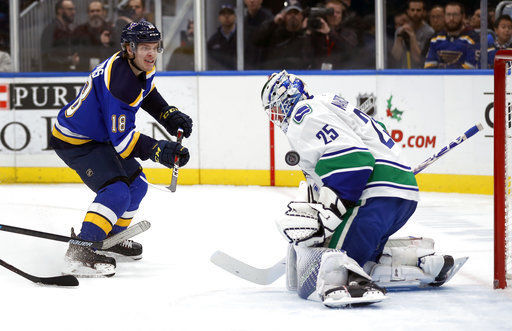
(280, 95)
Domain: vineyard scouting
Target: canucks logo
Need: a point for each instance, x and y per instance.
(301, 113)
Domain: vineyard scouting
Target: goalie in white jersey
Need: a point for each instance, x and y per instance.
(359, 193)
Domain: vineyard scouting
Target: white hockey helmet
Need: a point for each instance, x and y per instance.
(280, 94)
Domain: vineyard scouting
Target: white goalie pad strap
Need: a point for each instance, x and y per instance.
(387, 276)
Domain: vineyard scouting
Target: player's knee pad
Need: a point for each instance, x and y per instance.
(110, 203)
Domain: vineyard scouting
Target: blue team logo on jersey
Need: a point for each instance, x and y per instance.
(301, 113)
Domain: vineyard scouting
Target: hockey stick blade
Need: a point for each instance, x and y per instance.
(459, 140)
(176, 167)
(65, 280)
(107, 243)
(130, 232)
(243, 270)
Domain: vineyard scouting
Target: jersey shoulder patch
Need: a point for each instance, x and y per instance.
(301, 112)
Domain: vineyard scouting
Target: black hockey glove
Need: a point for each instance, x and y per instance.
(164, 152)
(172, 119)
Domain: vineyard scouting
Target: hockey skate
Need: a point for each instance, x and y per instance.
(126, 250)
(355, 294)
(85, 262)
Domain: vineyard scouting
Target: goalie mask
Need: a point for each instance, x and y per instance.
(280, 95)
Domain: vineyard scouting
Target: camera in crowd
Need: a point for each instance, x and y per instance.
(314, 14)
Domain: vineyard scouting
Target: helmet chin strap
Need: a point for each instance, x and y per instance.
(133, 63)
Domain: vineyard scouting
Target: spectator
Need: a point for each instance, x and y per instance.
(183, 57)
(333, 43)
(474, 20)
(503, 39)
(286, 43)
(254, 18)
(222, 45)
(453, 48)
(94, 37)
(436, 18)
(57, 50)
(133, 12)
(411, 38)
(5, 62)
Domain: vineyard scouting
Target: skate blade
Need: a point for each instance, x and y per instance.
(79, 270)
(348, 301)
(121, 257)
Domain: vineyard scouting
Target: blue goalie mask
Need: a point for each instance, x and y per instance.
(280, 95)
(140, 32)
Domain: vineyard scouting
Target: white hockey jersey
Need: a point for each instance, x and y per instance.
(345, 149)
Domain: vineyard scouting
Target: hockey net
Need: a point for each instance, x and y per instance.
(503, 169)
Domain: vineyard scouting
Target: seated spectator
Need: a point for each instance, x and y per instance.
(286, 43)
(57, 49)
(453, 48)
(333, 43)
(254, 18)
(94, 38)
(411, 38)
(183, 57)
(436, 18)
(222, 45)
(503, 38)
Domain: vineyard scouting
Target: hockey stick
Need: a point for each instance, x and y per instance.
(459, 140)
(243, 270)
(107, 243)
(65, 280)
(176, 167)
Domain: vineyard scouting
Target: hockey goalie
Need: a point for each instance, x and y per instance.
(358, 193)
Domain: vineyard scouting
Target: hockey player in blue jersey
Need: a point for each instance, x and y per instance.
(358, 193)
(95, 135)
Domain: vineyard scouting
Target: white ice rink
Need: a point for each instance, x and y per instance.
(175, 287)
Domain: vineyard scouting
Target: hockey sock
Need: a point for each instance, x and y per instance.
(110, 203)
(138, 189)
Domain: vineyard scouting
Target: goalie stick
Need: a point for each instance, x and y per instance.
(64, 280)
(240, 269)
(176, 167)
(459, 140)
(107, 243)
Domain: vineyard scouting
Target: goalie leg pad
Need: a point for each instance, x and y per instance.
(411, 262)
(317, 274)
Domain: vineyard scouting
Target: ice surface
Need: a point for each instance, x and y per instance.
(175, 287)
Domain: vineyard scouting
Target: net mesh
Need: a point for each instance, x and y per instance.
(508, 170)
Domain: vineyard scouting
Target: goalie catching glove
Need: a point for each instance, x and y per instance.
(309, 224)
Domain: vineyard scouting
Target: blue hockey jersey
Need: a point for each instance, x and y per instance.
(452, 52)
(106, 107)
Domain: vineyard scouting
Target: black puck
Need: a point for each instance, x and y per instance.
(292, 158)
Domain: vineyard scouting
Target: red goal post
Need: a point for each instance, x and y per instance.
(502, 169)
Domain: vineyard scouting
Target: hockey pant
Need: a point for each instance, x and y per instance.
(365, 228)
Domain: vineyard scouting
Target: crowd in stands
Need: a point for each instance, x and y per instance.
(294, 35)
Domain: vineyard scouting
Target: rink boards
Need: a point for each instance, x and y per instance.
(423, 111)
